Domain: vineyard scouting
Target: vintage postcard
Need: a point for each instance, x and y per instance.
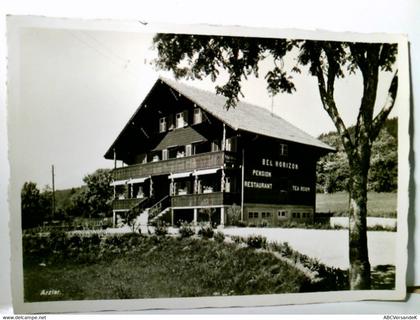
(170, 166)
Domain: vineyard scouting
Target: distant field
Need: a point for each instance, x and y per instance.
(379, 204)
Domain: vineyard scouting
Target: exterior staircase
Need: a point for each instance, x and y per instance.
(151, 213)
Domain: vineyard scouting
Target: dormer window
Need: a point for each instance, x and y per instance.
(198, 116)
(181, 119)
(162, 124)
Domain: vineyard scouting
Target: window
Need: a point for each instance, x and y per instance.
(198, 116)
(179, 120)
(228, 184)
(284, 150)
(165, 154)
(170, 122)
(253, 215)
(265, 215)
(231, 144)
(281, 213)
(162, 124)
(215, 145)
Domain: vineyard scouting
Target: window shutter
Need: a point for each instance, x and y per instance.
(185, 116)
(165, 154)
(188, 149)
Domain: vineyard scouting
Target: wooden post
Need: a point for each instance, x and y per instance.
(224, 138)
(115, 158)
(243, 185)
(151, 187)
(53, 192)
(196, 184)
(195, 216)
(171, 186)
(113, 218)
(222, 182)
(172, 217)
(222, 216)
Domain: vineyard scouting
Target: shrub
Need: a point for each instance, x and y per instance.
(186, 230)
(234, 214)
(327, 278)
(256, 242)
(161, 229)
(241, 224)
(263, 223)
(206, 231)
(219, 237)
(237, 239)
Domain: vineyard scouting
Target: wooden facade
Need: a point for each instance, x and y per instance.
(182, 146)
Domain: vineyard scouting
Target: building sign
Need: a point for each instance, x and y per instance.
(258, 185)
(301, 188)
(280, 164)
(270, 178)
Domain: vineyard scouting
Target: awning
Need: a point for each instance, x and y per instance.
(118, 182)
(179, 175)
(138, 180)
(207, 171)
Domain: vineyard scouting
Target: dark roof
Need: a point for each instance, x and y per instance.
(179, 137)
(246, 116)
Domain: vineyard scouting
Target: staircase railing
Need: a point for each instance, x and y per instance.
(159, 206)
(139, 207)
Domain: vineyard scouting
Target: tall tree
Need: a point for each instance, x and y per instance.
(98, 195)
(32, 213)
(199, 56)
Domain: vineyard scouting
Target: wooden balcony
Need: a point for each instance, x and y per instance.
(208, 160)
(205, 199)
(126, 204)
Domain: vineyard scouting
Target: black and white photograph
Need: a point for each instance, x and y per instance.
(172, 166)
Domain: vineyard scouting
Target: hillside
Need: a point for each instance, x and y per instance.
(333, 169)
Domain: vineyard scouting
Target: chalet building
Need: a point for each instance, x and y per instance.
(183, 155)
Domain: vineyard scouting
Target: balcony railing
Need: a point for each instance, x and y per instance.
(199, 161)
(126, 204)
(205, 199)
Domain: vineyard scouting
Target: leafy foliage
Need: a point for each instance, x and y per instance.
(98, 196)
(333, 170)
(186, 230)
(92, 200)
(31, 205)
(206, 231)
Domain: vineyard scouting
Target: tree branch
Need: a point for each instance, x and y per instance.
(331, 108)
(379, 120)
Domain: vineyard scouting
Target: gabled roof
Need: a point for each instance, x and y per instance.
(246, 116)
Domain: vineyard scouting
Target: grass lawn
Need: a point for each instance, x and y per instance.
(379, 204)
(151, 267)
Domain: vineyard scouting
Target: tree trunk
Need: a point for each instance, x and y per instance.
(359, 275)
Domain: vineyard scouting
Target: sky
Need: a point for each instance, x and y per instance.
(78, 88)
